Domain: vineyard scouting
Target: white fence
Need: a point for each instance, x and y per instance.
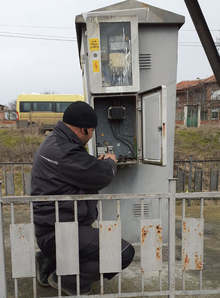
(151, 244)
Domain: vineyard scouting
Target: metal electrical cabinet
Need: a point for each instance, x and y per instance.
(128, 57)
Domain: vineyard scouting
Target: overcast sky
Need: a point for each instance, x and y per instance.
(32, 61)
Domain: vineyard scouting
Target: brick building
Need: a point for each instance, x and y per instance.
(198, 102)
(2, 112)
(7, 117)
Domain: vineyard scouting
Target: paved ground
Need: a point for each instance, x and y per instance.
(131, 281)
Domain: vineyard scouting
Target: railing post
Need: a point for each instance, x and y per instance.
(190, 178)
(171, 235)
(3, 287)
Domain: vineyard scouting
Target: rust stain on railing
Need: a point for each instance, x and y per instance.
(144, 233)
(186, 260)
(198, 262)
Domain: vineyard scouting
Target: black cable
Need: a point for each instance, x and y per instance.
(121, 139)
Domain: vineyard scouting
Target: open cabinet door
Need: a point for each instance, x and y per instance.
(154, 126)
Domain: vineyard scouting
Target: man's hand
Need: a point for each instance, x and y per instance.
(112, 156)
(108, 155)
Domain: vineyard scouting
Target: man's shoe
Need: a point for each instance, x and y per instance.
(44, 268)
(68, 284)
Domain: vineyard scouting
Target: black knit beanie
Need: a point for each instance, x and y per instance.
(80, 114)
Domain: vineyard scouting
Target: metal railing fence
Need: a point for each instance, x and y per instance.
(192, 176)
(151, 244)
(197, 175)
(15, 177)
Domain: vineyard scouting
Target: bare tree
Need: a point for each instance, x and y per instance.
(12, 105)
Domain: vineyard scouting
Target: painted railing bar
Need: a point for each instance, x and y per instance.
(142, 282)
(57, 221)
(133, 294)
(201, 272)
(197, 161)
(12, 214)
(183, 209)
(28, 199)
(34, 278)
(57, 211)
(59, 287)
(13, 175)
(160, 216)
(75, 211)
(118, 210)
(23, 183)
(31, 213)
(150, 294)
(183, 217)
(171, 237)
(76, 221)
(198, 195)
(101, 274)
(160, 280)
(16, 287)
(78, 284)
(118, 215)
(202, 208)
(34, 287)
(119, 284)
(102, 284)
(3, 284)
(142, 271)
(100, 210)
(5, 180)
(198, 292)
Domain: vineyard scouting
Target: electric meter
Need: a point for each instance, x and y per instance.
(113, 54)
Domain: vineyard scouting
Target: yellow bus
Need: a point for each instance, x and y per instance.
(43, 110)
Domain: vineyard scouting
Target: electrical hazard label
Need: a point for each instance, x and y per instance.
(93, 44)
(95, 64)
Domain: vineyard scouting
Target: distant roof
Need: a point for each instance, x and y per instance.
(189, 84)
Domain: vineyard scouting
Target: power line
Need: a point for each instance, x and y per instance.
(9, 34)
(35, 37)
(30, 26)
(71, 28)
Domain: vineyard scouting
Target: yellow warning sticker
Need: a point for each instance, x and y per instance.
(95, 64)
(94, 44)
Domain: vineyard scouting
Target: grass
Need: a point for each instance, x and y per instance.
(18, 145)
(200, 143)
(211, 211)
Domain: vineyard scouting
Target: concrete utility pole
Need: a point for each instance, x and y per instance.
(205, 36)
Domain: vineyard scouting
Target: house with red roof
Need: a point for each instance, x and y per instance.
(7, 117)
(198, 102)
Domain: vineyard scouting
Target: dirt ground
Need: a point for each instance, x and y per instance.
(131, 277)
